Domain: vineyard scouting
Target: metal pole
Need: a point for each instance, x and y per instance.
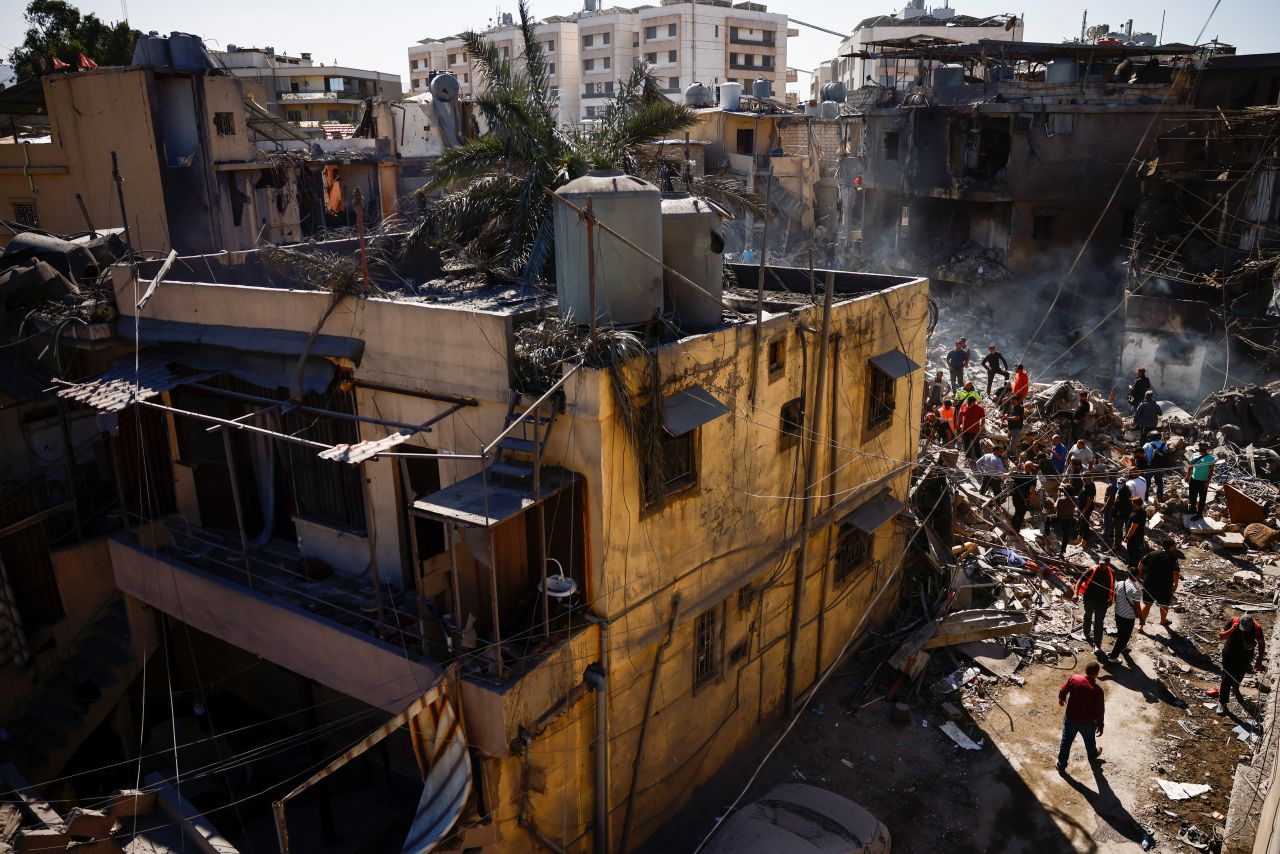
(764, 257)
(358, 198)
(591, 267)
(493, 604)
(235, 498)
(806, 504)
(124, 217)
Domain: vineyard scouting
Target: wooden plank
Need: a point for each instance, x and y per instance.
(965, 626)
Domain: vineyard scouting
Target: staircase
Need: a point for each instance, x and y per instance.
(521, 451)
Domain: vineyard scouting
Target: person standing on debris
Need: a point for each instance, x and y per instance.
(995, 364)
(1082, 418)
(1158, 458)
(1014, 418)
(1086, 710)
(949, 416)
(1128, 597)
(1135, 533)
(957, 361)
(1059, 454)
(1082, 453)
(937, 429)
(1115, 509)
(1084, 493)
(1146, 417)
(1199, 473)
(972, 420)
(1137, 483)
(1160, 577)
(968, 394)
(936, 392)
(1024, 487)
(1021, 381)
(1064, 518)
(1243, 647)
(1004, 395)
(1139, 390)
(1096, 589)
(991, 468)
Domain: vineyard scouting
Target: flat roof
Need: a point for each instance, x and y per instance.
(1005, 50)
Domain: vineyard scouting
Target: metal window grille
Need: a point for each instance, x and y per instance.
(880, 411)
(706, 665)
(853, 548)
(24, 213)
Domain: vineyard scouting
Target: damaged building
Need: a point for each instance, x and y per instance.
(370, 488)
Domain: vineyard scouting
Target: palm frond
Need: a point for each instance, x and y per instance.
(729, 193)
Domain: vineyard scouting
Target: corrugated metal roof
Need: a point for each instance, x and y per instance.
(123, 384)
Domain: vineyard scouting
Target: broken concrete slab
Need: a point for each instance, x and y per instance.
(131, 802)
(953, 732)
(978, 624)
(89, 824)
(991, 656)
(1182, 791)
(1241, 508)
(42, 840)
(1200, 524)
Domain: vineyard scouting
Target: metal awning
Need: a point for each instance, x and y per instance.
(895, 363)
(464, 503)
(689, 409)
(874, 512)
(281, 342)
(125, 383)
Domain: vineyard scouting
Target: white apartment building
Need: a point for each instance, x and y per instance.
(709, 41)
(913, 20)
(299, 89)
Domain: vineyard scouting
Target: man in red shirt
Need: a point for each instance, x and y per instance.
(1082, 695)
(971, 424)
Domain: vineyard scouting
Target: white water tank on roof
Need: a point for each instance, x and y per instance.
(628, 283)
(730, 96)
(692, 246)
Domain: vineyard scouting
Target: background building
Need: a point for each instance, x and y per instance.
(298, 89)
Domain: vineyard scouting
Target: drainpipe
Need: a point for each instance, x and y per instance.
(596, 676)
(806, 505)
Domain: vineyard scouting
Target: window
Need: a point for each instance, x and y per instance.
(791, 422)
(671, 56)
(225, 123)
(607, 62)
(466, 78)
(335, 115)
(677, 465)
(706, 644)
(588, 65)
(453, 59)
(608, 88)
(733, 59)
(671, 30)
(554, 91)
(551, 68)
(1042, 226)
(591, 112)
(295, 115)
(746, 141)
(604, 38)
(717, 31)
(24, 213)
(506, 53)
(651, 58)
(673, 84)
(891, 145)
(587, 41)
(777, 357)
(853, 551)
(551, 46)
(880, 390)
(650, 33)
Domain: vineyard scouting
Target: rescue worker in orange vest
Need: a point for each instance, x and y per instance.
(950, 414)
(1242, 647)
(1097, 590)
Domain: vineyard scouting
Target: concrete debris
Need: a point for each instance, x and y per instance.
(953, 732)
(960, 677)
(1182, 791)
(1245, 415)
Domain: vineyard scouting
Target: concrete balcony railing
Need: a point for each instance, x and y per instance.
(764, 40)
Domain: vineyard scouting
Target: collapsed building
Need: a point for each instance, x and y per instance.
(362, 480)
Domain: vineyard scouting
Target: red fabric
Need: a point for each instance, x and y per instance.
(86, 63)
(1085, 703)
(1021, 383)
(1086, 580)
(971, 415)
(58, 63)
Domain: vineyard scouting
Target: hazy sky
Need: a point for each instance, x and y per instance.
(338, 31)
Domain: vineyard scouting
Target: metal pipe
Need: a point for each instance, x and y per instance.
(597, 675)
(84, 212)
(229, 423)
(124, 217)
(591, 267)
(764, 257)
(493, 603)
(313, 410)
(806, 505)
(235, 498)
(829, 480)
(409, 392)
(644, 722)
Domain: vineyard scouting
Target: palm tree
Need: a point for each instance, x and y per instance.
(498, 205)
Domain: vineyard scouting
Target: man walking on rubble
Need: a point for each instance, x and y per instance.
(1199, 473)
(972, 417)
(1024, 486)
(991, 468)
(1140, 388)
(1082, 418)
(1160, 576)
(995, 364)
(957, 361)
(1096, 590)
(1115, 509)
(1064, 518)
(1086, 710)
(1014, 418)
(1128, 601)
(1059, 454)
(1158, 458)
(1146, 417)
(1243, 646)
(1135, 534)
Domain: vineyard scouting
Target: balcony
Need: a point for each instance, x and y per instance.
(349, 96)
(597, 95)
(766, 39)
(742, 66)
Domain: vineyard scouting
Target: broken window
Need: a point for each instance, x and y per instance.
(853, 551)
(706, 642)
(1042, 226)
(792, 422)
(777, 357)
(880, 389)
(24, 213)
(891, 145)
(225, 123)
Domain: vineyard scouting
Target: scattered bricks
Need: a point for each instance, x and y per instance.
(89, 824)
(952, 711)
(1259, 535)
(901, 714)
(42, 840)
(1228, 541)
(128, 803)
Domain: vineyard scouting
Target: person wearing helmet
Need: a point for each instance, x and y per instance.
(1243, 647)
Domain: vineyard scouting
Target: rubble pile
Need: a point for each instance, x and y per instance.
(972, 264)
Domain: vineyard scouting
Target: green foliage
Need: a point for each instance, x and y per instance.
(56, 28)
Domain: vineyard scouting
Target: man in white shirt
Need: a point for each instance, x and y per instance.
(1128, 598)
(1082, 452)
(1137, 486)
(991, 467)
